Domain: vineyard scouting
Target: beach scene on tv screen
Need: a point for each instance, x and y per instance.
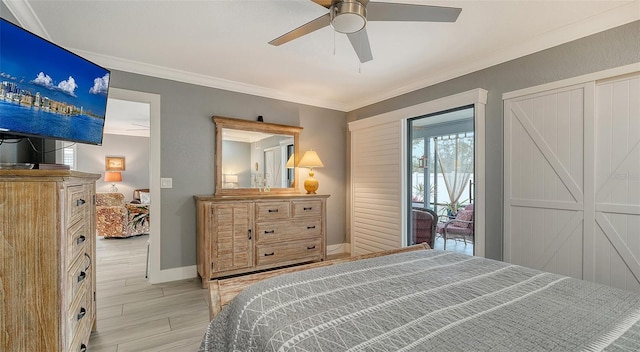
(48, 91)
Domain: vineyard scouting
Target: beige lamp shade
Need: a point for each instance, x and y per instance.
(291, 162)
(113, 177)
(311, 160)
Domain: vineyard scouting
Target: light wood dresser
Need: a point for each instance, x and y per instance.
(241, 234)
(47, 260)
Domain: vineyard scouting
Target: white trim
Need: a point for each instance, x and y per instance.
(469, 97)
(23, 12)
(156, 275)
(618, 16)
(476, 97)
(338, 248)
(579, 80)
(116, 63)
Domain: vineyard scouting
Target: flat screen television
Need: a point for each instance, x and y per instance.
(47, 91)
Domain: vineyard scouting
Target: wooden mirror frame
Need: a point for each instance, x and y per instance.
(245, 125)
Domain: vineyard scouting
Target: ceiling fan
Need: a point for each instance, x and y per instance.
(351, 16)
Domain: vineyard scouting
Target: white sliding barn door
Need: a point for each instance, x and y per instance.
(376, 171)
(616, 242)
(572, 181)
(544, 214)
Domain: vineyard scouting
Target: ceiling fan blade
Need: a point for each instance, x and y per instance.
(360, 42)
(306, 28)
(383, 11)
(323, 3)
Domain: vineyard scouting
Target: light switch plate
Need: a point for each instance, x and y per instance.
(166, 182)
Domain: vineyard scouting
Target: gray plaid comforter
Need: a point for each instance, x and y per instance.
(427, 301)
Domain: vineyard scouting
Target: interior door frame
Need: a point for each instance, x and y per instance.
(155, 235)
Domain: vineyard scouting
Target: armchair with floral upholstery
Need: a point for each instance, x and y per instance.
(115, 218)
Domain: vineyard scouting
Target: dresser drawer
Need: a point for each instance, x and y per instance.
(78, 203)
(78, 238)
(303, 208)
(79, 343)
(272, 210)
(277, 231)
(78, 316)
(78, 278)
(291, 251)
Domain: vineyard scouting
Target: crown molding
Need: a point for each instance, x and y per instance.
(202, 80)
(616, 17)
(23, 12)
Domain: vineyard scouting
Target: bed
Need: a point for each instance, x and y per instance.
(419, 300)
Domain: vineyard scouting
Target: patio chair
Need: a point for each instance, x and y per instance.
(424, 226)
(459, 228)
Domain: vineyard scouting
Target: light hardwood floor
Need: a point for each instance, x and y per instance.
(133, 315)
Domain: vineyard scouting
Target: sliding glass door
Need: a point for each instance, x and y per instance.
(441, 179)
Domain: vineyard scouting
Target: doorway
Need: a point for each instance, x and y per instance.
(441, 179)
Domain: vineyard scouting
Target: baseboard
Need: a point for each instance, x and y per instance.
(339, 248)
(174, 274)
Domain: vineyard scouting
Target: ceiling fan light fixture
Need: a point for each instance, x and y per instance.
(348, 16)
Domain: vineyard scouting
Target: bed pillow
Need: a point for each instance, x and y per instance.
(464, 215)
(145, 198)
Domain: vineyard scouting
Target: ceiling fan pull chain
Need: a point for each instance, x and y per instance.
(334, 43)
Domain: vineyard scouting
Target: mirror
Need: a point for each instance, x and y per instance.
(255, 157)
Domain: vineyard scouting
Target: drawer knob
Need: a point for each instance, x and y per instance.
(81, 239)
(311, 247)
(270, 231)
(307, 208)
(82, 313)
(80, 202)
(82, 276)
(273, 210)
(269, 254)
(83, 347)
(311, 227)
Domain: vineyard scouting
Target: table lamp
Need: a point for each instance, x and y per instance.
(310, 160)
(113, 177)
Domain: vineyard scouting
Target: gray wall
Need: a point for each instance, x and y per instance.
(90, 158)
(188, 144)
(616, 47)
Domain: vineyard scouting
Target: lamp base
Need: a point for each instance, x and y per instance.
(311, 185)
(113, 188)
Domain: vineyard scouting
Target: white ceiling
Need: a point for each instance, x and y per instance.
(223, 43)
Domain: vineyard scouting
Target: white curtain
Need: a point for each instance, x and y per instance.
(455, 158)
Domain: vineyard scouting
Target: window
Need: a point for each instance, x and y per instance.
(69, 156)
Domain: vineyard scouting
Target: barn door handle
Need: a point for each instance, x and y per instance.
(249, 233)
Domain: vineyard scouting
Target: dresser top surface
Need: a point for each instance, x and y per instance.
(265, 196)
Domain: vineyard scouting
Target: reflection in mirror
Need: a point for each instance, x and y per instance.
(254, 157)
